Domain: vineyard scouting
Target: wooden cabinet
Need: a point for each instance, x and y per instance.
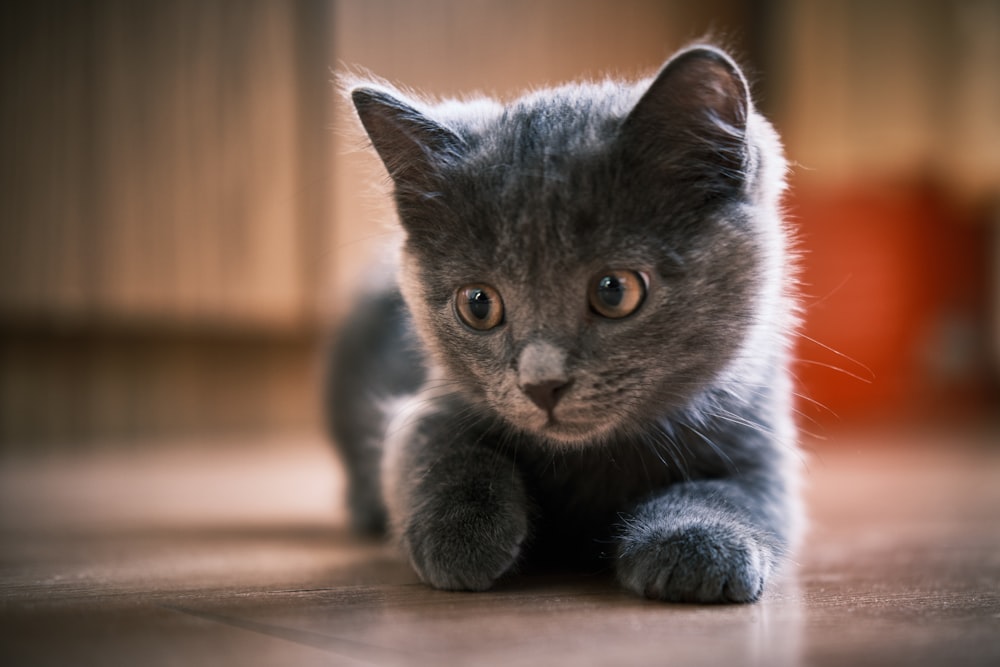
(163, 189)
(164, 163)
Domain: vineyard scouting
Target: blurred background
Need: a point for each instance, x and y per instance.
(184, 209)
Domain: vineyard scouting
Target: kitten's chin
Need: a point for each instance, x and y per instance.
(572, 434)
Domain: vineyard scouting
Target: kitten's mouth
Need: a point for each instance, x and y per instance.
(568, 423)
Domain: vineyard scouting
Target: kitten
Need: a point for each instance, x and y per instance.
(587, 355)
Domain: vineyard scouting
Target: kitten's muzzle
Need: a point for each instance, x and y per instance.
(546, 394)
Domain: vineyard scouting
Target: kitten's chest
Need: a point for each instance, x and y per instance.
(590, 490)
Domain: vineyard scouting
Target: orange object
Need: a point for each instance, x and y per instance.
(894, 291)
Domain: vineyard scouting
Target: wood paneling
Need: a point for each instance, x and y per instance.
(95, 390)
(899, 88)
(154, 169)
(163, 209)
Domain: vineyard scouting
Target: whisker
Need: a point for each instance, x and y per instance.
(812, 362)
(714, 447)
(868, 370)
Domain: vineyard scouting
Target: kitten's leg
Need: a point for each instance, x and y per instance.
(371, 361)
(458, 506)
(705, 541)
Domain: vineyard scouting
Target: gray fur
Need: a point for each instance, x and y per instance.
(669, 451)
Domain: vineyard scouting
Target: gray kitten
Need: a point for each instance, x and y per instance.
(589, 357)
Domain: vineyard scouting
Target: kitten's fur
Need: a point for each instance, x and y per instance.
(670, 450)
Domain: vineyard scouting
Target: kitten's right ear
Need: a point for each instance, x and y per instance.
(412, 146)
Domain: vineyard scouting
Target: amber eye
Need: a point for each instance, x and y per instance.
(617, 294)
(479, 306)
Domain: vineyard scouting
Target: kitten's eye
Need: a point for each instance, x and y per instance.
(479, 306)
(617, 294)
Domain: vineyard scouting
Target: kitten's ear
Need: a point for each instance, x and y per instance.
(412, 146)
(693, 119)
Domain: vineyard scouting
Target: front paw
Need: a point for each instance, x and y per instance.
(710, 562)
(467, 545)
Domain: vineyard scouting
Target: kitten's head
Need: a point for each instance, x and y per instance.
(589, 257)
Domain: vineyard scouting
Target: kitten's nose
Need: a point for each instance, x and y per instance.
(542, 374)
(546, 394)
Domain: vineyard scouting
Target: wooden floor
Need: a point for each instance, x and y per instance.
(202, 556)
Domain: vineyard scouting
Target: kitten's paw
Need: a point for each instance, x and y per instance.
(719, 562)
(466, 546)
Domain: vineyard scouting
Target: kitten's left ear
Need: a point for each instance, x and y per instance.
(693, 118)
